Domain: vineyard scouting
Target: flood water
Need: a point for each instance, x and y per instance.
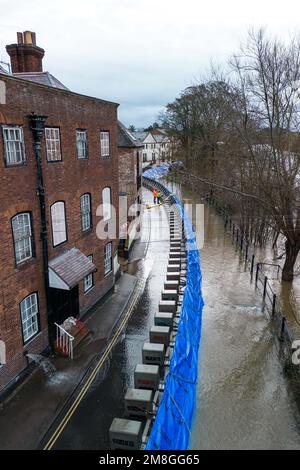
(244, 399)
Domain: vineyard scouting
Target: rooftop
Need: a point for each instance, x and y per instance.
(126, 138)
(44, 78)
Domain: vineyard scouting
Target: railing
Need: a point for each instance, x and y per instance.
(64, 341)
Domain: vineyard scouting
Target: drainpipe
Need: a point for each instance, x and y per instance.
(37, 124)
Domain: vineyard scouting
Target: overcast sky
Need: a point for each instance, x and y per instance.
(139, 53)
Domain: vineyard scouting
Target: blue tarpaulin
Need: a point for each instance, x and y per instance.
(172, 426)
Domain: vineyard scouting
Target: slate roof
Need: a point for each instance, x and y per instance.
(72, 266)
(140, 135)
(44, 78)
(2, 70)
(158, 137)
(127, 138)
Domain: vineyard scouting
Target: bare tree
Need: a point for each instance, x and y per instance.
(266, 73)
(240, 133)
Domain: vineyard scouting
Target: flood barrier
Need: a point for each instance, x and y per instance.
(172, 426)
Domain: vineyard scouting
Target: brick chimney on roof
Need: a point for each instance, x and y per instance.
(25, 56)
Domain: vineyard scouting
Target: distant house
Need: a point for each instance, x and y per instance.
(158, 146)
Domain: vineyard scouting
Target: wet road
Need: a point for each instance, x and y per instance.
(244, 400)
(88, 427)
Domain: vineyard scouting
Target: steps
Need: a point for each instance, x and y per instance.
(79, 331)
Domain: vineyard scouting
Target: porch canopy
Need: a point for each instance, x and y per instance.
(68, 269)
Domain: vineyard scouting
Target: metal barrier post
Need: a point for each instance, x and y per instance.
(246, 254)
(256, 276)
(282, 328)
(274, 305)
(252, 266)
(265, 289)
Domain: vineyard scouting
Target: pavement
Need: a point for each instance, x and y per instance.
(32, 411)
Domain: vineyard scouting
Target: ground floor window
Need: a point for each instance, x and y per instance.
(88, 281)
(29, 310)
(108, 258)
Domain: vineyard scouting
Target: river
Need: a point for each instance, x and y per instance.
(244, 398)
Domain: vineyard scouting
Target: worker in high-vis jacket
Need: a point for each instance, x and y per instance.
(154, 192)
(159, 198)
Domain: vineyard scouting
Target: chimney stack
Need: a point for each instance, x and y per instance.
(25, 56)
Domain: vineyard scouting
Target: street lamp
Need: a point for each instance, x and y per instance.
(37, 126)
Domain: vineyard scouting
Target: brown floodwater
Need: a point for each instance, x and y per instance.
(245, 400)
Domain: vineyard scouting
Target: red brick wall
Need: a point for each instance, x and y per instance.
(66, 180)
(25, 58)
(128, 173)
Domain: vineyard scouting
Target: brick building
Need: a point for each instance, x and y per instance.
(56, 168)
(130, 182)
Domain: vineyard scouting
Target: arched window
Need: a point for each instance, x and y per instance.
(29, 310)
(58, 222)
(22, 236)
(106, 201)
(85, 212)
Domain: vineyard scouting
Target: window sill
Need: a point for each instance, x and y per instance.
(16, 165)
(86, 232)
(60, 244)
(32, 338)
(22, 265)
(89, 290)
(108, 274)
(55, 161)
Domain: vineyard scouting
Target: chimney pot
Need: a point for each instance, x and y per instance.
(20, 38)
(27, 37)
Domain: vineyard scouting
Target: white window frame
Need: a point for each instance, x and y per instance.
(105, 143)
(22, 237)
(53, 147)
(14, 147)
(108, 260)
(58, 222)
(88, 281)
(81, 143)
(106, 203)
(29, 311)
(85, 212)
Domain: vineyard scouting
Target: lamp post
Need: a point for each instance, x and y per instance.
(37, 126)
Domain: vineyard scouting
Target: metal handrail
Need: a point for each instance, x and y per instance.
(65, 339)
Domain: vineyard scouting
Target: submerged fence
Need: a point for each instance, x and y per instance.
(172, 426)
(262, 274)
